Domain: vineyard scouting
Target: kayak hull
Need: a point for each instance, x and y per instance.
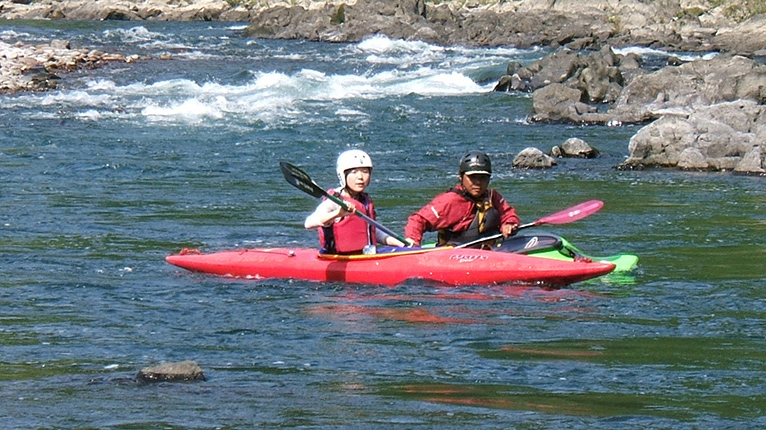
(447, 266)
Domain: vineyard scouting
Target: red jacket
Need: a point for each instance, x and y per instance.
(453, 211)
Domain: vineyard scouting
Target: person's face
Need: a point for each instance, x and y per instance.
(358, 179)
(476, 185)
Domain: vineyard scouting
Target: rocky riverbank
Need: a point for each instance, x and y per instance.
(682, 25)
(38, 67)
(126, 10)
(735, 26)
(26, 67)
(708, 114)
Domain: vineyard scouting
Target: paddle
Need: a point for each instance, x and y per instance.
(566, 216)
(302, 181)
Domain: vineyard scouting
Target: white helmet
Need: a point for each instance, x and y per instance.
(351, 159)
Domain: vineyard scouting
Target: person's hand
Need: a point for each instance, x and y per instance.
(508, 229)
(342, 212)
(396, 242)
(410, 242)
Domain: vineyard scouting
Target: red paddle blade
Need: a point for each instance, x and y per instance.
(572, 214)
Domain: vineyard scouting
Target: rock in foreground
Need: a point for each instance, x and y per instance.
(187, 370)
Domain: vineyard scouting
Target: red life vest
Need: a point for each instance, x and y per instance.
(351, 234)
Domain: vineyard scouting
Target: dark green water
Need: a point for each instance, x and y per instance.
(121, 166)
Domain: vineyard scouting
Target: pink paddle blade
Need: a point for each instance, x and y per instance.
(574, 213)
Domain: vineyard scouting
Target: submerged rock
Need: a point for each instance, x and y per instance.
(187, 370)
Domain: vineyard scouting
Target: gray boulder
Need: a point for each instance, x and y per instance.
(533, 158)
(747, 38)
(635, 95)
(726, 136)
(692, 158)
(754, 162)
(574, 147)
(691, 86)
(558, 102)
(572, 85)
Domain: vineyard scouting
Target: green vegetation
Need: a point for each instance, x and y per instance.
(237, 3)
(693, 12)
(614, 20)
(743, 9)
(340, 15)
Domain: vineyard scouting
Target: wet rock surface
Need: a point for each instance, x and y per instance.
(182, 371)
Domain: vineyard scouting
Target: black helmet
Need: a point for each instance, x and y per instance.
(475, 162)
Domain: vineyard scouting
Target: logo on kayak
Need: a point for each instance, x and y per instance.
(532, 243)
(467, 258)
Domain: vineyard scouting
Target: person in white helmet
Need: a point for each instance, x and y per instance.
(339, 231)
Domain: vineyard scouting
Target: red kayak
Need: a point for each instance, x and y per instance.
(451, 266)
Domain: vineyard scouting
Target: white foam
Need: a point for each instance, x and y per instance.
(190, 110)
(90, 115)
(133, 35)
(13, 34)
(376, 68)
(75, 98)
(382, 50)
(643, 51)
(351, 113)
(270, 96)
(382, 44)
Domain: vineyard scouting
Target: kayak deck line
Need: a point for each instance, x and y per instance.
(381, 255)
(195, 251)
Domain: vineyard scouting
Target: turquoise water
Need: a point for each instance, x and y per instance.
(120, 166)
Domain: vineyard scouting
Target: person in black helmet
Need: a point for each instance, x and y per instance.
(468, 211)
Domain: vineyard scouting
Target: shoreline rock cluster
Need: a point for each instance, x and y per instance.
(40, 67)
(706, 114)
(37, 67)
(125, 10)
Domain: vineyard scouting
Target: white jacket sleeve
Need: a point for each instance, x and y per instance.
(315, 219)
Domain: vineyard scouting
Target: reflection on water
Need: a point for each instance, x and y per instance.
(520, 398)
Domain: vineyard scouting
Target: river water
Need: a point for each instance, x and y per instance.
(120, 166)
